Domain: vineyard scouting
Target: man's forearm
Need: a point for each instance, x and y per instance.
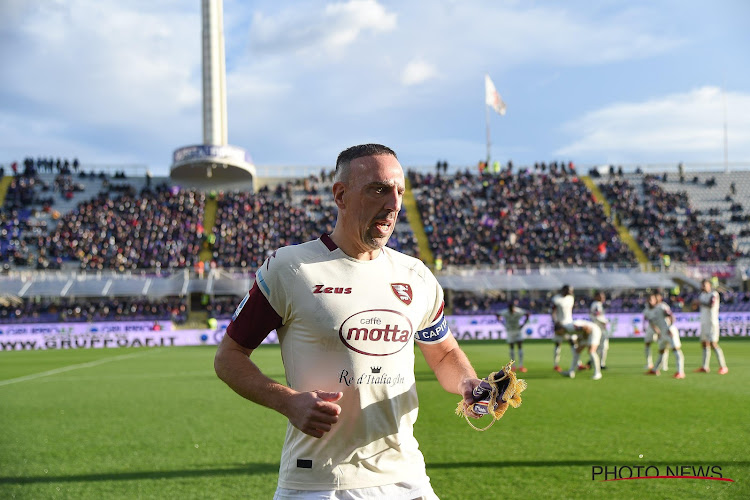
(236, 369)
(453, 369)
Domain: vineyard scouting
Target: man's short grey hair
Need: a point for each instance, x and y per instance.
(354, 152)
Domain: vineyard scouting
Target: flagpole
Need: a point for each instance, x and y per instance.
(487, 121)
(726, 141)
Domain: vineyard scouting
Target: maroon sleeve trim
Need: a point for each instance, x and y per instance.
(255, 320)
(442, 306)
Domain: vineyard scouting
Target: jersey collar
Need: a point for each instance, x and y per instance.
(328, 242)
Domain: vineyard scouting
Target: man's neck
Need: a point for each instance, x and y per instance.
(352, 250)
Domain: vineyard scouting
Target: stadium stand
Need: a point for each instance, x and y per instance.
(514, 219)
(73, 309)
(159, 228)
(676, 221)
(249, 226)
(717, 200)
(111, 243)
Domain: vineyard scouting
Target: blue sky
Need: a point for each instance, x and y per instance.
(593, 82)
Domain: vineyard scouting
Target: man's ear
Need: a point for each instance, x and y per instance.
(339, 189)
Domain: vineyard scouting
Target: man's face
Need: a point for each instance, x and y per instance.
(652, 299)
(706, 286)
(372, 200)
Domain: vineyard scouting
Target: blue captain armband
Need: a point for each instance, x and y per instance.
(434, 333)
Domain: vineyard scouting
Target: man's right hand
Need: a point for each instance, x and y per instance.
(314, 413)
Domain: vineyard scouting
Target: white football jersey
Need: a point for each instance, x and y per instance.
(709, 307)
(596, 313)
(513, 319)
(648, 315)
(348, 325)
(658, 317)
(591, 338)
(563, 312)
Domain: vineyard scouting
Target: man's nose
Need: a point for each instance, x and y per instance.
(393, 200)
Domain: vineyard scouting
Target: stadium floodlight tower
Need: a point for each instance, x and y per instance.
(214, 161)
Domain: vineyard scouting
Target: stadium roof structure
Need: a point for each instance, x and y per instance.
(113, 284)
(157, 284)
(553, 279)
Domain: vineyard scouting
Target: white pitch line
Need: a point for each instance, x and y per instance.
(68, 368)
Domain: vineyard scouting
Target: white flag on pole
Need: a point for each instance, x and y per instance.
(491, 97)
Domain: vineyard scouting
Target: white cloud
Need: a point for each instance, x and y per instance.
(120, 78)
(418, 71)
(107, 60)
(128, 67)
(471, 37)
(688, 126)
(324, 31)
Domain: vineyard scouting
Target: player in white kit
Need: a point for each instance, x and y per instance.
(347, 311)
(708, 302)
(662, 321)
(514, 318)
(596, 313)
(562, 321)
(589, 337)
(649, 334)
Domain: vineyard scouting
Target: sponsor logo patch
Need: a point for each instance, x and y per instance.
(376, 332)
(402, 291)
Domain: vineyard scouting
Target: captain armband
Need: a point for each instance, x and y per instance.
(435, 333)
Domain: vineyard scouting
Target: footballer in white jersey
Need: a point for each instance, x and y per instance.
(348, 326)
(663, 321)
(596, 313)
(709, 313)
(514, 318)
(562, 309)
(562, 321)
(589, 337)
(649, 333)
(348, 312)
(708, 302)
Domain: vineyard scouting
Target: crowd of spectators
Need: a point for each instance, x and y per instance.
(222, 307)
(22, 193)
(159, 228)
(47, 165)
(250, 226)
(162, 227)
(653, 217)
(76, 309)
(12, 225)
(540, 216)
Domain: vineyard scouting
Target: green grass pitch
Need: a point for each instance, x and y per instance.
(157, 423)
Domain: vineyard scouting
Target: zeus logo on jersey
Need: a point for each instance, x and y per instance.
(376, 332)
(330, 289)
(434, 333)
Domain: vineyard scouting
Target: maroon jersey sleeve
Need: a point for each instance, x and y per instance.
(253, 320)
